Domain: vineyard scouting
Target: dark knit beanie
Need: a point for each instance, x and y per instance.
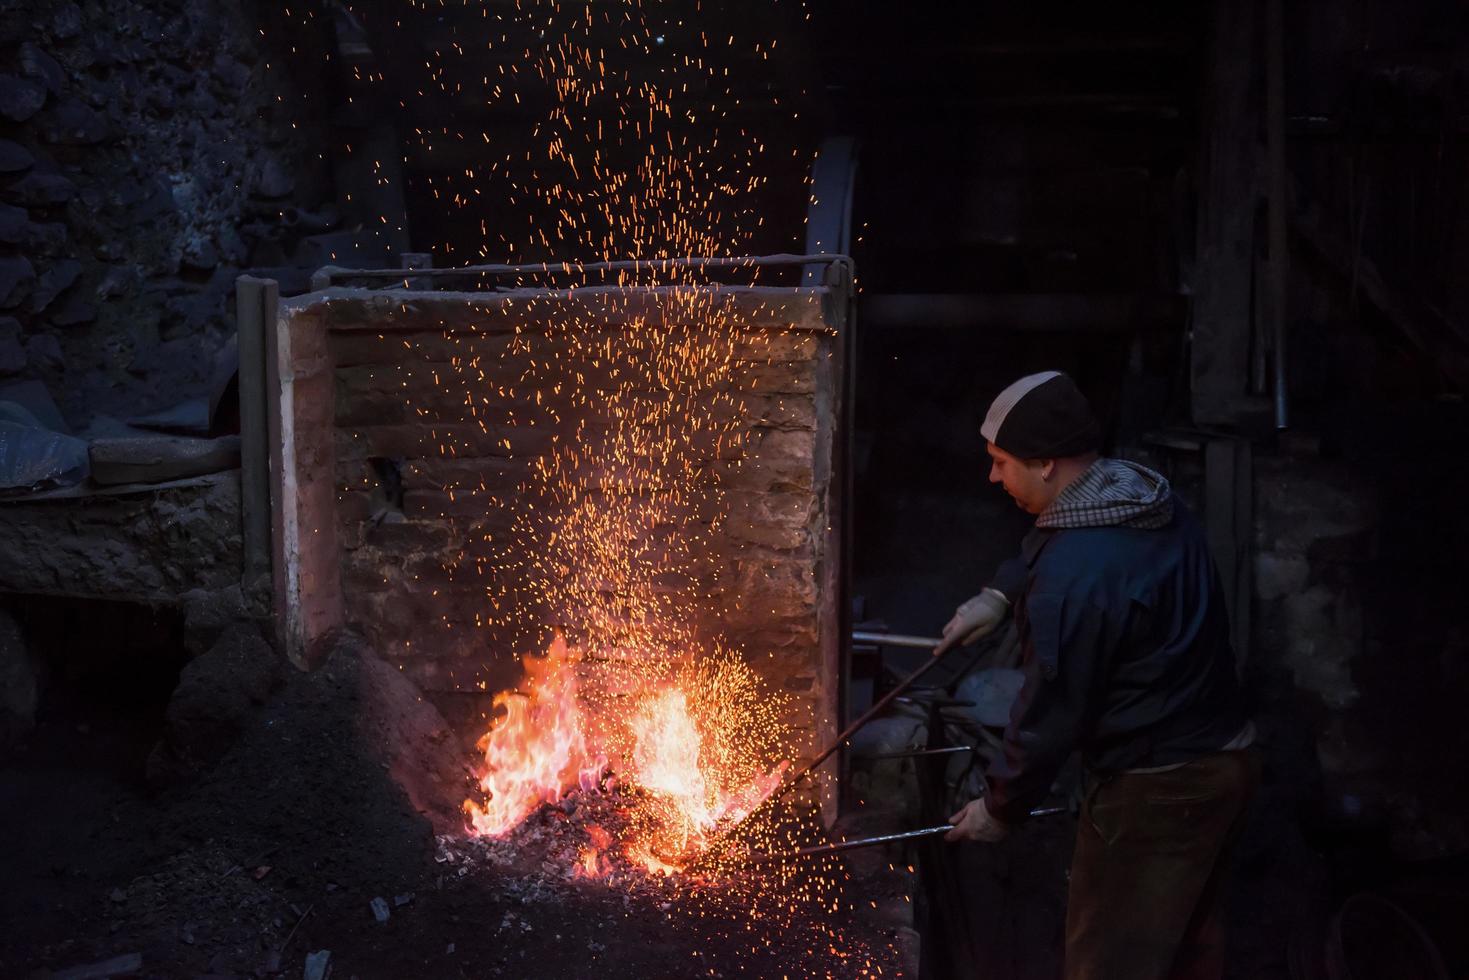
(1042, 416)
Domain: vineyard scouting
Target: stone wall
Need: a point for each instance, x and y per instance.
(401, 497)
(150, 544)
(149, 151)
(1314, 537)
(1360, 672)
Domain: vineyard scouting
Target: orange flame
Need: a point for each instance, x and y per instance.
(537, 749)
(691, 797)
(692, 746)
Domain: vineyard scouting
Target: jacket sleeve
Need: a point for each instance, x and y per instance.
(1010, 578)
(1066, 643)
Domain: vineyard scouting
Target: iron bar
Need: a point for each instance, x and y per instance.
(896, 640)
(794, 778)
(866, 716)
(326, 273)
(837, 847)
(915, 753)
(851, 845)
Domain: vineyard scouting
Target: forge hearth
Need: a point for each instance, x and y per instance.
(409, 429)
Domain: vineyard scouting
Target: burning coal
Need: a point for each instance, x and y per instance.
(695, 748)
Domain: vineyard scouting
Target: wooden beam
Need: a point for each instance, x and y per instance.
(1224, 248)
(255, 306)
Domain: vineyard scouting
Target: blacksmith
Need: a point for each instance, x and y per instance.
(1127, 658)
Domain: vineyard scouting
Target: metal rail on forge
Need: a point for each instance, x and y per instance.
(840, 265)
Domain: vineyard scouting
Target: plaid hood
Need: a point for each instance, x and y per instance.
(1112, 493)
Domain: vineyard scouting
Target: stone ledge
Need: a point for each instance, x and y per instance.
(137, 543)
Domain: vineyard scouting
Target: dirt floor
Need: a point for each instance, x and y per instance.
(328, 801)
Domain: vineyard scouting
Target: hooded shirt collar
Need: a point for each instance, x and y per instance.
(1112, 493)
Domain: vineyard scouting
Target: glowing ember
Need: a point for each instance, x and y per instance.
(591, 861)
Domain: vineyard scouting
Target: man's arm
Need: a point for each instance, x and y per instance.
(1010, 578)
(982, 614)
(1067, 642)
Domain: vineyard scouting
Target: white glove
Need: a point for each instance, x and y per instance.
(974, 822)
(976, 618)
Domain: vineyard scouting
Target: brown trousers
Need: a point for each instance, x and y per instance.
(1148, 877)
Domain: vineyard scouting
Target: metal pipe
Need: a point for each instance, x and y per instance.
(847, 732)
(896, 640)
(942, 647)
(635, 265)
(1277, 176)
(851, 845)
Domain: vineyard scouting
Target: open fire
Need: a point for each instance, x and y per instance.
(690, 753)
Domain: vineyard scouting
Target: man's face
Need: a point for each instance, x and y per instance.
(1021, 478)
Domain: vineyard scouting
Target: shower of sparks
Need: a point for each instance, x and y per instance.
(637, 143)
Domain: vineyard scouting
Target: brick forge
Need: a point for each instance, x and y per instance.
(370, 434)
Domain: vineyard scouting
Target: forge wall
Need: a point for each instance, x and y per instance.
(387, 488)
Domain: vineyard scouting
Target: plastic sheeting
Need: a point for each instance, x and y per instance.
(34, 458)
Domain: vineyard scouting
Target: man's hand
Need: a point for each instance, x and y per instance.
(976, 618)
(974, 822)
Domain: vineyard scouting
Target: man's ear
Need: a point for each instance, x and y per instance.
(1047, 468)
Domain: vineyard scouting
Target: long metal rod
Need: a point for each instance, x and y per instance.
(844, 451)
(852, 845)
(837, 847)
(789, 783)
(896, 640)
(866, 716)
(915, 753)
(791, 780)
(636, 265)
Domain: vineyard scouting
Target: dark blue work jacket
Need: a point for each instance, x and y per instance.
(1126, 655)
